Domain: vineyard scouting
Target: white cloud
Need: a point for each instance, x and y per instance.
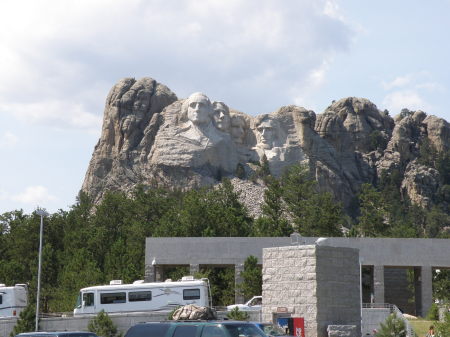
(34, 195)
(411, 91)
(399, 81)
(409, 99)
(3, 194)
(53, 53)
(8, 139)
(56, 113)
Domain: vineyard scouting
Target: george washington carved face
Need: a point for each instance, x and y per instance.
(199, 109)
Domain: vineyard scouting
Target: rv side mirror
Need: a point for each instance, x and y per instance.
(83, 303)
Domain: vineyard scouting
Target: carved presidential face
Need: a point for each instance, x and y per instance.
(237, 129)
(199, 109)
(221, 116)
(267, 133)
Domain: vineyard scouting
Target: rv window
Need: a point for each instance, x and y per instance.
(191, 294)
(1, 299)
(137, 296)
(88, 299)
(109, 298)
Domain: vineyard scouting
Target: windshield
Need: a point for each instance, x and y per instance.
(273, 330)
(244, 330)
(78, 304)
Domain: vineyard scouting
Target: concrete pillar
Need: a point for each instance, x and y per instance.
(159, 273)
(426, 290)
(149, 273)
(194, 269)
(378, 284)
(238, 269)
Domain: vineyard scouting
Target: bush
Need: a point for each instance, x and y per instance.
(103, 326)
(393, 326)
(238, 315)
(433, 313)
(443, 328)
(26, 321)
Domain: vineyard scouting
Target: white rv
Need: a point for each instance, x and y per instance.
(140, 296)
(12, 300)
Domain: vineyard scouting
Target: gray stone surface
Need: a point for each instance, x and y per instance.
(372, 318)
(6, 326)
(319, 283)
(150, 138)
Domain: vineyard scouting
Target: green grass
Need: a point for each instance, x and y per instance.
(420, 326)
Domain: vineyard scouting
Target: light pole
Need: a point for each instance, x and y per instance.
(41, 213)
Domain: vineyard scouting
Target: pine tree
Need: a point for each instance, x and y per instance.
(273, 221)
(374, 214)
(252, 278)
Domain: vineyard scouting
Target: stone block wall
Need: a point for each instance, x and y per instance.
(319, 283)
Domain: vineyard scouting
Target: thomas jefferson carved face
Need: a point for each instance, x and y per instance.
(238, 128)
(199, 109)
(221, 116)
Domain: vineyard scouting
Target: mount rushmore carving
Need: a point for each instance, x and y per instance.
(151, 137)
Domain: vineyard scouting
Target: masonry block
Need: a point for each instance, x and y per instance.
(318, 283)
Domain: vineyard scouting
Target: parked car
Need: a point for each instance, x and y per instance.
(57, 334)
(195, 329)
(253, 304)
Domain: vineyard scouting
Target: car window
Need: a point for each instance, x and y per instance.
(212, 331)
(256, 301)
(88, 299)
(148, 330)
(78, 335)
(273, 330)
(185, 331)
(110, 298)
(244, 330)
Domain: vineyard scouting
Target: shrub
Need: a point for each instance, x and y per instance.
(26, 321)
(103, 326)
(238, 315)
(393, 326)
(442, 329)
(433, 313)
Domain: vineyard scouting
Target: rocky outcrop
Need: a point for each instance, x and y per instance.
(151, 137)
(420, 184)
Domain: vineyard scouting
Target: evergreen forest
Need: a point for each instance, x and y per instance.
(93, 244)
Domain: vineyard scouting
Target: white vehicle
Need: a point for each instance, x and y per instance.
(12, 299)
(140, 296)
(254, 304)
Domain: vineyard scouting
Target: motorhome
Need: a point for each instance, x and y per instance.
(140, 296)
(13, 299)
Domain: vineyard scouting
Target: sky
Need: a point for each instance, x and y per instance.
(60, 58)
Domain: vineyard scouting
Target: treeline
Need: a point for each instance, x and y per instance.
(92, 244)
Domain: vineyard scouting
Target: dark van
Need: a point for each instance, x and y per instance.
(195, 329)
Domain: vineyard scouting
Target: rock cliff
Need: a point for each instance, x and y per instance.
(151, 137)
